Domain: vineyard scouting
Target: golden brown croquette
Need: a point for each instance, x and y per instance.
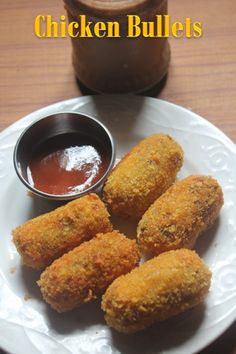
(45, 238)
(161, 288)
(142, 176)
(180, 215)
(85, 272)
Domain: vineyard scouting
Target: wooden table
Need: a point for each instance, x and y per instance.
(35, 73)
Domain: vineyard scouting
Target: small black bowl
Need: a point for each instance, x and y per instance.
(52, 126)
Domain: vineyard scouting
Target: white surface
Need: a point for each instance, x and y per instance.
(32, 327)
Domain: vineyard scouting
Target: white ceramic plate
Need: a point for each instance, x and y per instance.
(28, 325)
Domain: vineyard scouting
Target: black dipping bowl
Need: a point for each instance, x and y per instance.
(58, 124)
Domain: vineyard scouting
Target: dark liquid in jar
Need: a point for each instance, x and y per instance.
(119, 65)
(67, 164)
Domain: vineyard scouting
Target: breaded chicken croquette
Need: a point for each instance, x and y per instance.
(45, 238)
(142, 176)
(163, 287)
(85, 272)
(180, 215)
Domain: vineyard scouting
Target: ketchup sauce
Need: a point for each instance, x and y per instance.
(67, 164)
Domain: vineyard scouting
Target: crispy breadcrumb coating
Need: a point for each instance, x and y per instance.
(142, 176)
(45, 238)
(180, 215)
(161, 288)
(85, 272)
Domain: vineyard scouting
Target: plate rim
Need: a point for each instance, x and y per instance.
(128, 96)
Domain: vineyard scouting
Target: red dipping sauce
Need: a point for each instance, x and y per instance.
(67, 164)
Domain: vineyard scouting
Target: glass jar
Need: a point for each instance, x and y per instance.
(119, 65)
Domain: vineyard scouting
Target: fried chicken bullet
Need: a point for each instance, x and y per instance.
(180, 215)
(45, 238)
(85, 272)
(161, 288)
(142, 176)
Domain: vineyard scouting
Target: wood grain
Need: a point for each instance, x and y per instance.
(36, 72)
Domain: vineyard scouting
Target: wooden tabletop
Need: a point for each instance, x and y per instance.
(202, 74)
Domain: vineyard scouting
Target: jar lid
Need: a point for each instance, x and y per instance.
(112, 7)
